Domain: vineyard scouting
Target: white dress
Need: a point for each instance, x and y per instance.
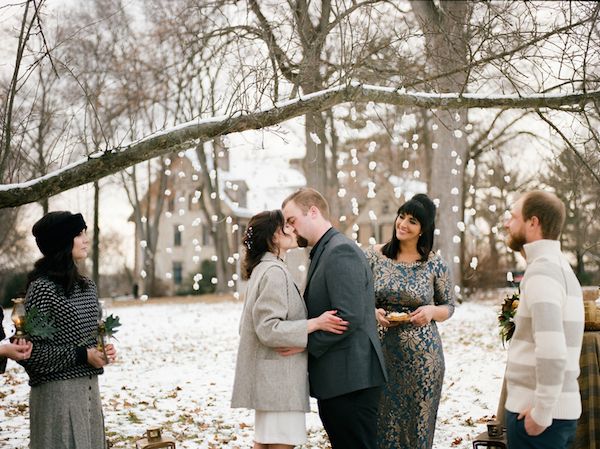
(280, 427)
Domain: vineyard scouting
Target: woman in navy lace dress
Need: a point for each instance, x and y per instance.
(409, 277)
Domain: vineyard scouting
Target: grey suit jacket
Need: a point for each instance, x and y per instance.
(274, 315)
(339, 278)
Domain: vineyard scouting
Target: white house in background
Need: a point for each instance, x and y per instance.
(184, 239)
(376, 218)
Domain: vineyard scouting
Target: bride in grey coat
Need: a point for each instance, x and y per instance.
(271, 370)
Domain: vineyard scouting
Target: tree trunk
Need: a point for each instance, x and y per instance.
(315, 160)
(224, 268)
(210, 202)
(96, 239)
(335, 202)
(580, 266)
(494, 264)
(149, 268)
(447, 187)
(580, 231)
(444, 30)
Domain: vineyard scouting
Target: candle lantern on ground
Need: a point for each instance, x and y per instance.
(155, 440)
(494, 438)
(18, 317)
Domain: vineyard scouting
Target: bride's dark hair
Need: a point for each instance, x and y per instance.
(259, 238)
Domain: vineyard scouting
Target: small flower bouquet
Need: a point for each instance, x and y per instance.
(506, 318)
(106, 329)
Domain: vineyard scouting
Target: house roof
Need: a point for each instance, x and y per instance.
(183, 168)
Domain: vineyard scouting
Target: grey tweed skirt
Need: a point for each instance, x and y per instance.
(67, 414)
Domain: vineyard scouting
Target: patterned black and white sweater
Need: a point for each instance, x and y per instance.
(64, 356)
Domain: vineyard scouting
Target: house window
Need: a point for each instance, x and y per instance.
(177, 273)
(176, 236)
(171, 202)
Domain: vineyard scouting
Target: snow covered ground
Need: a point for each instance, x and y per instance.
(176, 370)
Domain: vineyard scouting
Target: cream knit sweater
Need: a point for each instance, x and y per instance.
(543, 358)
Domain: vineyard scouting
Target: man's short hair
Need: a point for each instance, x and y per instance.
(549, 210)
(305, 198)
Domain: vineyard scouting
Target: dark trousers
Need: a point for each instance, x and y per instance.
(350, 420)
(560, 434)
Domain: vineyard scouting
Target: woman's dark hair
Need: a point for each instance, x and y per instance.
(54, 234)
(423, 209)
(259, 238)
(60, 268)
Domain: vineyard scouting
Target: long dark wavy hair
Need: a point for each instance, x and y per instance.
(423, 209)
(60, 268)
(259, 238)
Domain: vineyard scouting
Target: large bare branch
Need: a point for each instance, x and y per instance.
(102, 164)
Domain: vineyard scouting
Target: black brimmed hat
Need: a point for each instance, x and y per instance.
(56, 230)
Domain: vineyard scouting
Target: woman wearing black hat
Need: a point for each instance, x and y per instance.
(64, 403)
(411, 280)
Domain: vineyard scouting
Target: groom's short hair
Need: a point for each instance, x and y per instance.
(549, 210)
(307, 197)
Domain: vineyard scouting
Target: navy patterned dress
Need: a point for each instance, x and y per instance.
(414, 355)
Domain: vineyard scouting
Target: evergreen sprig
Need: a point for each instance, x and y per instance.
(39, 324)
(109, 326)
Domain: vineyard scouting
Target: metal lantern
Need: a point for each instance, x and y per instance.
(18, 317)
(154, 440)
(485, 440)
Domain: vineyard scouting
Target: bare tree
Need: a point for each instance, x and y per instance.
(95, 65)
(147, 210)
(48, 126)
(193, 71)
(444, 27)
(490, 180)
(142, 86)
(305, 58)
(14, 121)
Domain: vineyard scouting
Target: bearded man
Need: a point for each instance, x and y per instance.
(543, 401)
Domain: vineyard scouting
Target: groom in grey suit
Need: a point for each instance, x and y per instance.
(345, 370)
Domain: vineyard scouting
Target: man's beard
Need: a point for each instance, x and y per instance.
(516, 242)
(302, 242)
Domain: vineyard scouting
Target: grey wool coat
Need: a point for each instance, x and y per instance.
(274, 316)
